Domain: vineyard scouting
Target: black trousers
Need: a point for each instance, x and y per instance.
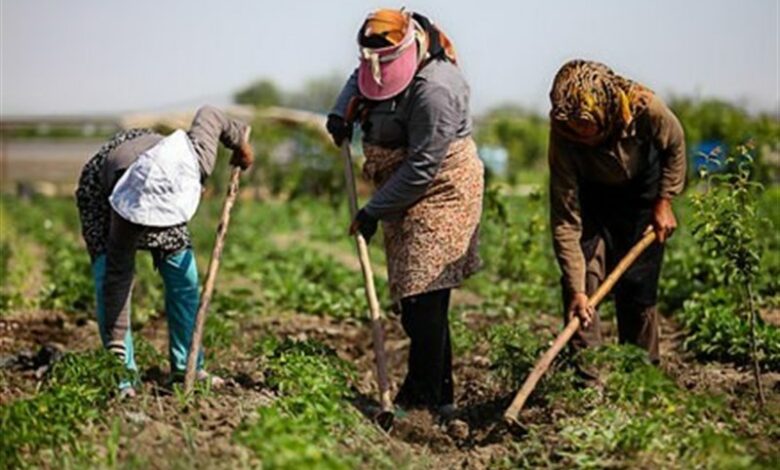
(428, 381)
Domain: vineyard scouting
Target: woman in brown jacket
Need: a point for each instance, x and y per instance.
(421, 158)
(617, 158)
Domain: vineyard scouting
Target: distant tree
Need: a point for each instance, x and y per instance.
(729, 125)
(317, 94)
(522, 133)
(711, 120)
(260, 93)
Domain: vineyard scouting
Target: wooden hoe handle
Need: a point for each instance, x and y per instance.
(377, 332)
(211, 277)
(511, 413)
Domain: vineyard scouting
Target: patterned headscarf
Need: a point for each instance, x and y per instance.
(591, 91)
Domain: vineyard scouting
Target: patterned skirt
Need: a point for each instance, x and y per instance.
(435, 245)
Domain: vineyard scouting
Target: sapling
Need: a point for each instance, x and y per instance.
(726, 223)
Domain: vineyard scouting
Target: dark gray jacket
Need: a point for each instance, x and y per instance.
(429, 115)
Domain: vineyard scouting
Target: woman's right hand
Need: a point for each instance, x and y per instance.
(579, 306)
(339, 129)
(365, 224)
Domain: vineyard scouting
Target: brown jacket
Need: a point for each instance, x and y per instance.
(617, 163)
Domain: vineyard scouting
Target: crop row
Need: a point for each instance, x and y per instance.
(260, 275)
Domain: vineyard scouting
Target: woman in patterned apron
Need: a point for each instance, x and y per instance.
(429, 182)
(138, 192)
(617, 158)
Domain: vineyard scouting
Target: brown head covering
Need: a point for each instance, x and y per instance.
(591, 92)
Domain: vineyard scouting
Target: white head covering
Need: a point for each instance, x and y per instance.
(162, 187)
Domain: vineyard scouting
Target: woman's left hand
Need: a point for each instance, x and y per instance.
(365, 224)
(664, 221)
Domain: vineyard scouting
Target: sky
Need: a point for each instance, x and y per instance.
(102, 56)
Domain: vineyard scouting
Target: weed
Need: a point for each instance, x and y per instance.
(716, 333)
(462, 336)
(299, 429)
(78, 387)
(640, 419)
(513, 351)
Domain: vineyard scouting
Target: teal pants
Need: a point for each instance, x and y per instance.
(180, 278)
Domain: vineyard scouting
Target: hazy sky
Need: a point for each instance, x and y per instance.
(83, 56)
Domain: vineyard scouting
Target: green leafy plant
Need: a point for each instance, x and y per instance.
(299, 429)
(519, 271)
(639, 418)
(67, 284)
(78, 388)
(726, 223)
(513, 352)
(716, 333)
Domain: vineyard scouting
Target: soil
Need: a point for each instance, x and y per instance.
(157, 424)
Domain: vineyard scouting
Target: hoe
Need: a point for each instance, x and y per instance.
(211, 277)
(385, 417)
(511, 413)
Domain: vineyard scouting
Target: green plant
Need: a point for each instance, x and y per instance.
(67, 280)
(716, 333)
(299, 429)
(112, 443)
(463, 337)
(726, 222)
(18, 266)
(638, 419)
(297, 278)
(77, 389)
(519, 271)
(513, 351)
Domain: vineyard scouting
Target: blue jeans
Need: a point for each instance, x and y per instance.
(180, 278)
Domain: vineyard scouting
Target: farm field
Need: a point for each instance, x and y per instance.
(287, 328)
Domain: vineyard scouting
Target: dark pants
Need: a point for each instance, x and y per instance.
(428, 381)
(614, 219)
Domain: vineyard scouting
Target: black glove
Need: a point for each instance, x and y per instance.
(339, 129)
(365, 224)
